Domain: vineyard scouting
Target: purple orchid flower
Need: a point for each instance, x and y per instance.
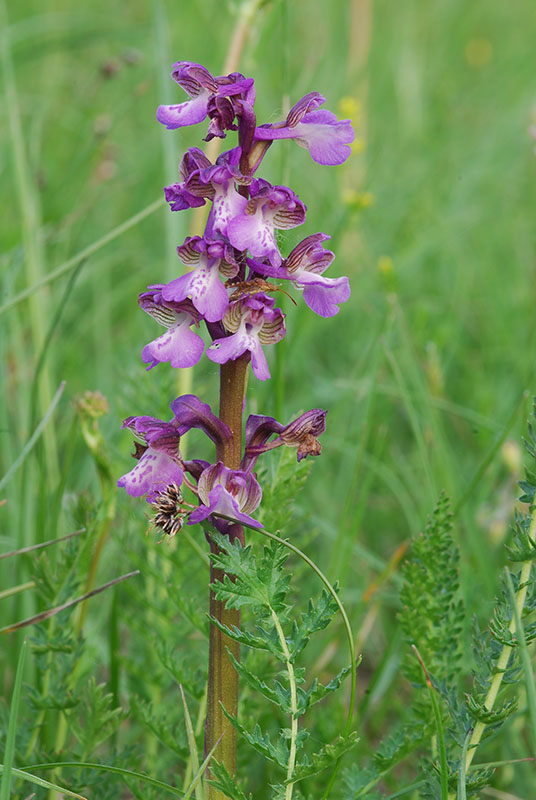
(253, 322)
(189, 412)
(179, 345)
(210, 96)
(181, 195)
(304, 267)
(327, 139)
(160, 463)
(234, 493)
(303, 433)
(208, 257)
(205, 181)
(268, 208)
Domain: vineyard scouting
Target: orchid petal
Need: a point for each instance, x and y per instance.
(153, 472)
(255, 233)
(190, 412)
(179, 345)
(230, 347)
(188, 113)
(324, 294)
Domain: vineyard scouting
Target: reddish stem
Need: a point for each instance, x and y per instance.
(222, 676)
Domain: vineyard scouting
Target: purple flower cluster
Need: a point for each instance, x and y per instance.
(228, 286)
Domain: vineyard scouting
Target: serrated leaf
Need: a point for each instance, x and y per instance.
(193, 680)
(266, 640)
(222, 781)
(324, 758)
(357, 782)
(254, 681)
(173, 737)
(262, 743)
(95, 718)
(481, 713)
(260, 585)
(316, 618)
(433, 615)
(318, 691)
(57, 700)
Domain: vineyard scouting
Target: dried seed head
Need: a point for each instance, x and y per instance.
(169, 513)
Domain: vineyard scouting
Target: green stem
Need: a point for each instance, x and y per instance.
(293, 704)
(504, 657)
(506, 652)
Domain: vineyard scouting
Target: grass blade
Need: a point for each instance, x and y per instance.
(200, 771)
(40, 545)
(26, 776)
(16, 589)
(52, 611)
(83, 254)
(7, 770)
(490, 455)
(192, 746)
(34, 437)
(443, 766)
(126, 773)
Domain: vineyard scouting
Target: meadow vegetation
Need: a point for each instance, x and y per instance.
(427, 373)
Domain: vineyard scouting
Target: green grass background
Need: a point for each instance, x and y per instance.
(426, 372)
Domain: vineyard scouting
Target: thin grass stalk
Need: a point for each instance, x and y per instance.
(84, 254)
(31, 225)
(440, 733)
(5, 786)
(192, 745)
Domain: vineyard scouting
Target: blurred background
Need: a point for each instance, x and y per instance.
(427, 373)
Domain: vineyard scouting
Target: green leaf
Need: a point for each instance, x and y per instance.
(262, 743)
(193, 680)
(433, 615)
(95, 719)
(318, 691)
(359, 782)
(316, 618)
(171, 736)
(222, 781)
(261, 585)
(481, 713)
(254, 681)
(324, 758)
(267, 640)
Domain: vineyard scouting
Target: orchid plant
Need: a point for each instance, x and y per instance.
(230, 287)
